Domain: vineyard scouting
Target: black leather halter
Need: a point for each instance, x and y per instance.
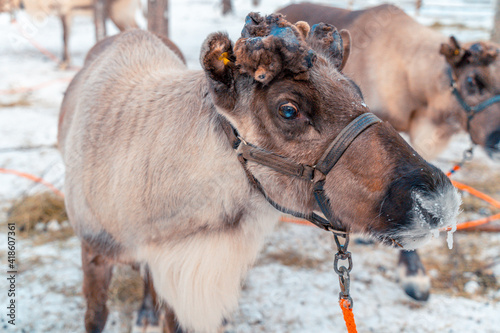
(470, 111)
(315, 174)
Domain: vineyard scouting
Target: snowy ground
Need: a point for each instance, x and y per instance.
(293, 287)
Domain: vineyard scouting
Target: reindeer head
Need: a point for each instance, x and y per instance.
(281, 87)
(476, 68)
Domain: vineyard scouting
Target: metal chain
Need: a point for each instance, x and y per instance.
(468, 154)
(342, 270)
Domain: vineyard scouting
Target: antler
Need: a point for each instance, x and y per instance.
(482, 53)
(326, 37)
(271, 46)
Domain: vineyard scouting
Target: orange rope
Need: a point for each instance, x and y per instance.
(476, 193)
(33, 178)
(460, 226)
(453, 170)
(348, 316)
(289, 219)
(474, 223)
(40, 48)
(43, 50)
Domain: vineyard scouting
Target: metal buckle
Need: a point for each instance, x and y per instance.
(242, 140)
(468, 154)
(317, 175)
(454, 86)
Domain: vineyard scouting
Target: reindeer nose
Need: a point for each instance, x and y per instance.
(428, 210)
(492, 145)
(435, 200)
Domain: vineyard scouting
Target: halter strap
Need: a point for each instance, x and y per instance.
(316, 174)
(470, 111)
(340, 144)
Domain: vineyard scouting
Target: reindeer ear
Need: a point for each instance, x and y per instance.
(217, 60)
(346, 40)
(325, 37)
(454, 54)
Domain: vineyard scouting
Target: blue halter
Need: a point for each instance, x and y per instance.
(470, 111)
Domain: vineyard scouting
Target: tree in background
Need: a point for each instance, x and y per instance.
(495, 33)
(227, 6)
(100, 19)
(158, 17)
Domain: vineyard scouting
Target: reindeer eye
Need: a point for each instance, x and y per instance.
(288, 111)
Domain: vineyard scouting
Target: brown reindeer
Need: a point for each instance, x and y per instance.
(174, 169)
(406, 72)
(121, 12)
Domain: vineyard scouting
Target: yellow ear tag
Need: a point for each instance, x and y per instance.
(224, 59)
(457, 52)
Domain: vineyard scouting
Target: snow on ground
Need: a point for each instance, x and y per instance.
(293, 287)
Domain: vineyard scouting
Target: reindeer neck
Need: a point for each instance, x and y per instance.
(427, 72)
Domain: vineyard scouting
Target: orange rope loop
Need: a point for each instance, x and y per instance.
(33, 178)
(348, 315)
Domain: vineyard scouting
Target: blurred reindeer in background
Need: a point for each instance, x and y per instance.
(121, 12)
(9, 6)
(424, 83)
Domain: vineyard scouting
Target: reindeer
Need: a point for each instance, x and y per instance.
(186, 171)
(423, 83)
(121, 12)
(407, 73)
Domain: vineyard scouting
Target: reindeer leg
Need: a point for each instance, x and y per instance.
(412, 276)
(97, 273)
(122, 14)
(171, 322)
(66, 25)
(149, 317)
(428, 136)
